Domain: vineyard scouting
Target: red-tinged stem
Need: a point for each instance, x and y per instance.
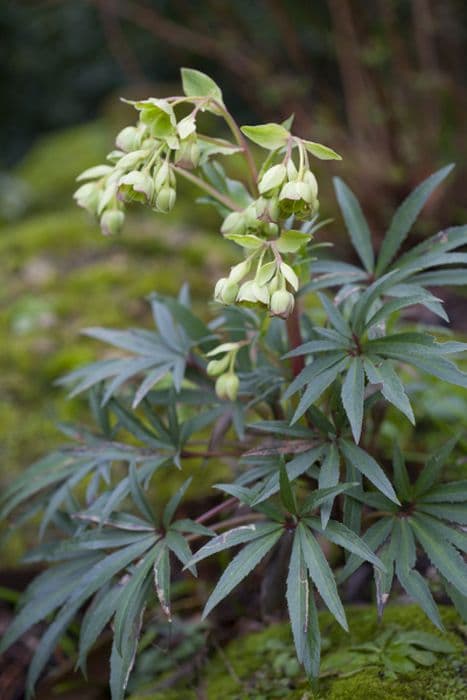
(295, 339)
(229, 503)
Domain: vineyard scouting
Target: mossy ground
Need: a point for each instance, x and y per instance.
(262, 666)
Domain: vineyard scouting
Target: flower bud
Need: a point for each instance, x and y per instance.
(282, 303)
(272, 209)
(253, 292)
(137, 186)
(238, 272)
(165, 200)
(130, 160)
(233, 223)
(272, 178)
(226, 291)
(87, 196)
(310, 179)
(161, 176)
(129, 139)
(216, 367)
(227, 386)
(292, 172)
(112, 221)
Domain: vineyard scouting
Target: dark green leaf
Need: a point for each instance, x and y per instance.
(365, 464)
(240, 567)
(356, 223)
(352, 394)
(329, 477)
(406, 215)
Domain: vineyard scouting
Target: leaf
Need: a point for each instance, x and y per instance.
(97, 616)
(295, 468)
(180, 547)
(344, 537)
(121, 664)
(328, 477)
(314, 369)
(270, 136)
(365, 464)
(356, 224)
(197, 84)
(291, 241)
(446, 493)
(174, 502)
(352, 395)
(320, 151)
(364, 305)
(298, 594)
(406, 215)
(335, 317)
(374, 537)
(232, 538)
(321, 574)
(401, 475)
(456, 537)
(323, 496)
(47, 645)
(418, 589)
(162, 577)
(454, 512)
(394, 305)
(285, 491)
(138, 495)
(246, 240)
(240, 566)
(425, 641)
(391, 386)
(433, 467)
(290, 276)
(316, 388)
(46, 594)
(442, 555)
(125, 610)
(314, 346)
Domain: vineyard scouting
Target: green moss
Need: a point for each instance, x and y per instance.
(262, 666)
(51, 167)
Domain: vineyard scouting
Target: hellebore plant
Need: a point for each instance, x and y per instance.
(284, 399)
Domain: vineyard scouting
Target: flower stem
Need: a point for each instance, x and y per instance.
(295, 338)
(240, 139)
(226, 201)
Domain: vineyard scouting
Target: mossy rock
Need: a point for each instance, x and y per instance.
(262, 665)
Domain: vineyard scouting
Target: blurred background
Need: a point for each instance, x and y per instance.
(384, 83)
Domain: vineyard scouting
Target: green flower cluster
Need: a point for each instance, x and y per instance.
(141, 165)
(164, 144)
(227, 382)
(268, 285)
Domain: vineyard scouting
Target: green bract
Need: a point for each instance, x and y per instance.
(288, 395)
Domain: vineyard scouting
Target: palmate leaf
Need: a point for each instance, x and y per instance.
(342, 536)
(240, 567)
(232, 538)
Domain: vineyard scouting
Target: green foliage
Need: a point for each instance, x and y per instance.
(299, 441)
